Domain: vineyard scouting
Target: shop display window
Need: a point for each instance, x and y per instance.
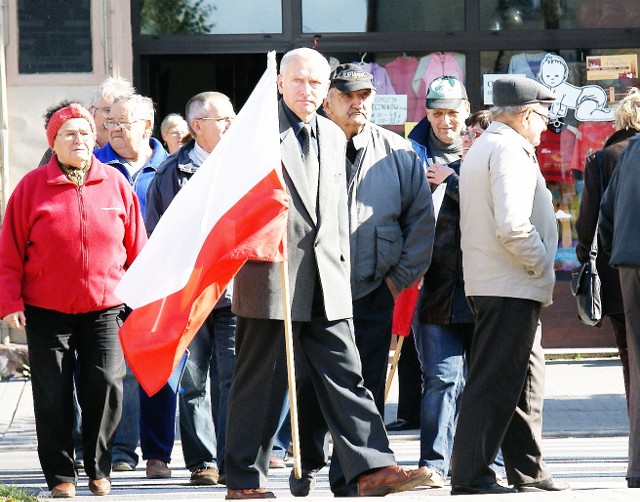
(210, 17)
(558, 14)
(401, 80)
(360, 16)
(588, 84)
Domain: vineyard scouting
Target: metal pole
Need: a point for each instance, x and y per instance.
(4, 115)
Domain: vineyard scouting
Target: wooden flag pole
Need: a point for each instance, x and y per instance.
(291, 370)
(394, 365)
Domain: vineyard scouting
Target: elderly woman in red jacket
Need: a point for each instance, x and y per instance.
(71, 229)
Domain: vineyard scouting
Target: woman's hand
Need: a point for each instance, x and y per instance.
(16, 320)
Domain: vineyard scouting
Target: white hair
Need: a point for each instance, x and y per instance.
(110, 89)
(141, 106)
(310, 54)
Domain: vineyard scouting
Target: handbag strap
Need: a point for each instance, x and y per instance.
(599, 158)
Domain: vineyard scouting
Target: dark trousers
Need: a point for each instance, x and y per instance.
(54, 339)
(409, 382)
(503, 395)
(372, 316)
(372, 324)
(158, 423)
(620, 335)
(260, 384)
(630, 285)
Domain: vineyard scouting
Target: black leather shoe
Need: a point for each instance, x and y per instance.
(488, 488)
(402, 425)
(546, 485)
(303, 486)
(633, 482)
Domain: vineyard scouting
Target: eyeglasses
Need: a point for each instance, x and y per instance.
(545, 118)
(470, 134)
(228, 120)
(120, 124)
(83, 136)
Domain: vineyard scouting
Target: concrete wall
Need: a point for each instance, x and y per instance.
(28, 96)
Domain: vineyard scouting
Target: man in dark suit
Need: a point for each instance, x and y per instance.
(319, 282)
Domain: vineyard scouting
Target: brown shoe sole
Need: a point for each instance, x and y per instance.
(99, 489)
(421, 480)
(57, 493)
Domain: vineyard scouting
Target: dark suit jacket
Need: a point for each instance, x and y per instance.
(317, 242)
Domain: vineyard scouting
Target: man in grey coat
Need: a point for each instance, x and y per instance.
(509, 239)
(391, 225)
(318, 260)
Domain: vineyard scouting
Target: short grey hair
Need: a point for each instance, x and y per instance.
(110, 89)
(171, 120)
(196, 106)
(511, 111)
(142, 106)
(310, 54)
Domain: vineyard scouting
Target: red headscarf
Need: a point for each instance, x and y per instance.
(73, 111)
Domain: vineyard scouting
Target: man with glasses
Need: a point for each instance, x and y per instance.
(132, 151)
(444, 322)
(212, 351)
(100, 101)
(509, 240)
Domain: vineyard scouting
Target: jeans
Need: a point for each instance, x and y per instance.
(158, 423)
(443, 352)
(128, 431)
(214, 345)
(282, 439)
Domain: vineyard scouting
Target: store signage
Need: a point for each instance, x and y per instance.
(389, 109)
(612, 67)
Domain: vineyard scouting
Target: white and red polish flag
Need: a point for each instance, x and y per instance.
(233, 209)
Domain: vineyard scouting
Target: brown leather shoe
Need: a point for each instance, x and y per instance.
(391, 479)
(249, 493)
(100, 486)
(157, 469)
(63, 491)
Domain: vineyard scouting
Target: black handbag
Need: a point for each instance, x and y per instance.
(585, 286)
(585, 281)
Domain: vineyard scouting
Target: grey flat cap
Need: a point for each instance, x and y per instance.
(516, 91)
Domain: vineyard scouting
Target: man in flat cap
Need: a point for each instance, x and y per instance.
(391, 221)
(509, 241)
(391, 229)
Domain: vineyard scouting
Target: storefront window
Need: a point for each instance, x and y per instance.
(338, 16)
(588, 84)
(558, 14)
(401, 80)
(196, 17)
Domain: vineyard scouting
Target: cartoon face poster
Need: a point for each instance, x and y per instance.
(588, 102)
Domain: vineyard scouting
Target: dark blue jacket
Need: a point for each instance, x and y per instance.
(170, 177)
(442, 298)
(620, 211)
(419, 137)
(141, 178)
